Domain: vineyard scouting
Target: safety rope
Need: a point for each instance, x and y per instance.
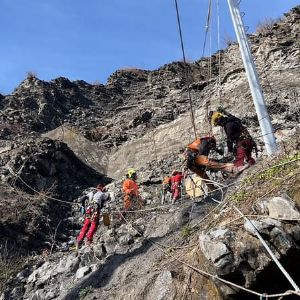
(34, 190)
(162, 248)
(206, 27)
(185, 70)
(286, 274)
(279, 265)
(219, 51)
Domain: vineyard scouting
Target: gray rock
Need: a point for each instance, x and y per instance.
(252, 225)
(126, 239)
(51, 295)
(281, 208)
(162, 288)
(282, 241)
(213, 250)
(80, 273)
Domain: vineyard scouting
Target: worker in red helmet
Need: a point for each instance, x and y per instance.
(176, 180)
(91, 206)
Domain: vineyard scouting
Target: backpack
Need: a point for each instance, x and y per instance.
(167, 183)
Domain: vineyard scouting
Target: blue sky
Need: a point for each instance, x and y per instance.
(89, 40)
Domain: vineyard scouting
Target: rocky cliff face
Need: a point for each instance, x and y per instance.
(54, 135)
(135, 102)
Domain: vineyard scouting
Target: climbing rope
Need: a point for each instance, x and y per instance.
(165, 249)
(219, 52)
(207, 26)
(35, 191)
(279, 265)
(185, 70)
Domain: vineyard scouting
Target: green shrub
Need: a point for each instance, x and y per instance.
(85, 291)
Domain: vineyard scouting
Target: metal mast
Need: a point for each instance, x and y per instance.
(256, 92)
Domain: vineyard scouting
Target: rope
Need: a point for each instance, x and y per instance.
(35, 191)
(204, 273)
(185, 69)
(279, 265)
(266, 246)
(207, 26)
(219, 54)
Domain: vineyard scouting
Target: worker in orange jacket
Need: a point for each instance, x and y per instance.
(197, 160)
(132, 198)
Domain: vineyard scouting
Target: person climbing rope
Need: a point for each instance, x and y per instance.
(176, 187)
(166, 189)
(196, 155)
(239, 141)
(91, 205)
(132, 198)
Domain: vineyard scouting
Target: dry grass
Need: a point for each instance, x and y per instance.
(9, 264)
(132, 70)
(228, 41)
(266, 26)
(270, 177)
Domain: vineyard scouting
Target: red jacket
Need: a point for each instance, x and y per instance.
(177, 178)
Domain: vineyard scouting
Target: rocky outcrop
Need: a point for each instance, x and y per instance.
(237, 255)
(133, 102)
(50, 165)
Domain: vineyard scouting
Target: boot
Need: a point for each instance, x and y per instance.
(78, 245)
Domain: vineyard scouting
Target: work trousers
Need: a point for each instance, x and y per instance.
(176, 190)
(243, 153)
(88, 229)
(132, 202)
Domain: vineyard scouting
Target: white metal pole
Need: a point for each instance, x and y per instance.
(256, 92)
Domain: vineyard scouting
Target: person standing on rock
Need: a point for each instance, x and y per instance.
(176, 187)
(91, 205)
(132, 198)
(238, 137)
(196, 155)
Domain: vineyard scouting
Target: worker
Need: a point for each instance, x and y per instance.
(176, 180)
(132, 198)
(239, 140)
(166, 189)
(91, 205)
(197, 160)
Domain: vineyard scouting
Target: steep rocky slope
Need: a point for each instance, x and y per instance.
(141, 119)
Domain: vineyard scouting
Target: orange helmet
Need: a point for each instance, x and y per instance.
(195, 145)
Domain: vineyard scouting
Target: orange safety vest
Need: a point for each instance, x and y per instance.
(195, 145)
(130, 187)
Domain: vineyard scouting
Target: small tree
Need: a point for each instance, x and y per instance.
(228, 41)
(31, 75)
(266, 26)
